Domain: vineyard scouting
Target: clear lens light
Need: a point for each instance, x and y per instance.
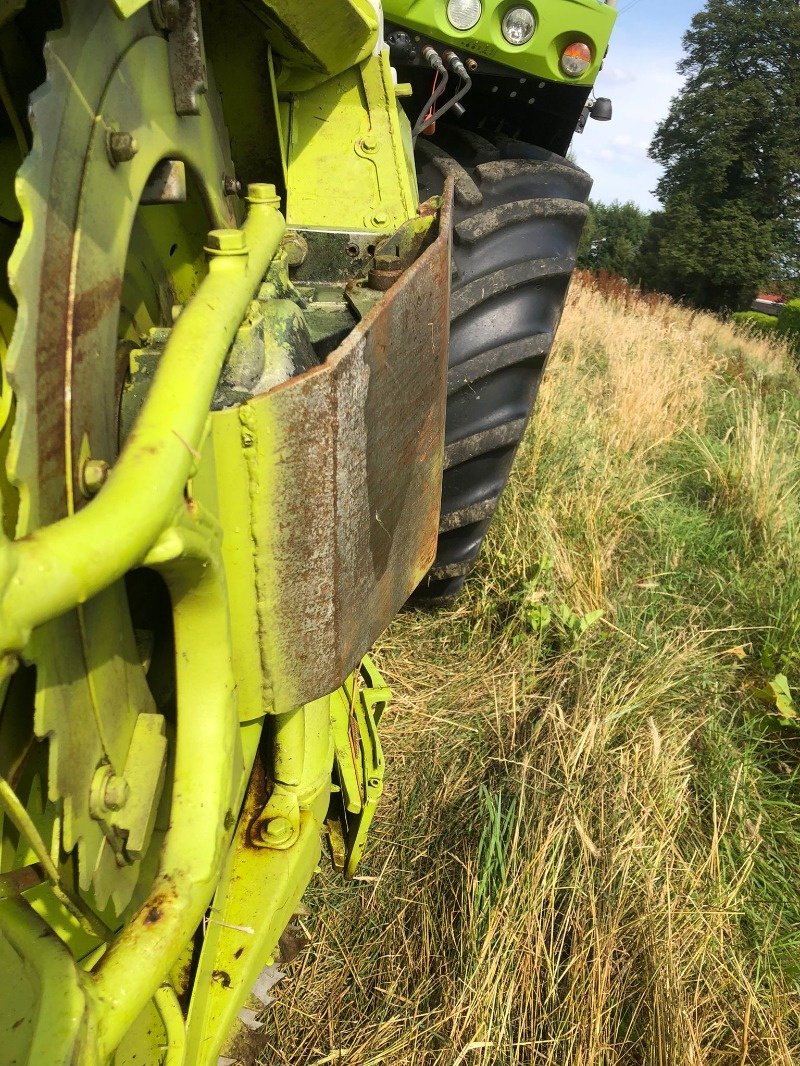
(463, 14)
(518, 25)
(576, 59)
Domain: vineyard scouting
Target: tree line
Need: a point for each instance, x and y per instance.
(730, 148)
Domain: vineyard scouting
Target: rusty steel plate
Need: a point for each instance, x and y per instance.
(345, 483)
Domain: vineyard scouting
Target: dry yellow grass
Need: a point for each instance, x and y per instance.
(585, 855)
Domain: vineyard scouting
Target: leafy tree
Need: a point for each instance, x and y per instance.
(730, 146)
(613, 238)
(710, 257)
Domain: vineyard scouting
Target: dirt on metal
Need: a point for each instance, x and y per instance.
(348, 525)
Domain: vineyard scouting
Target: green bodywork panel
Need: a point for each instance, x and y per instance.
(349, 133)
(321, 44)
(558, 23)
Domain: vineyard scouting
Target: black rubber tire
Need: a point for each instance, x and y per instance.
(519, 214)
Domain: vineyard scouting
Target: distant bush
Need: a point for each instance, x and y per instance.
(757, 322)
(789, 323)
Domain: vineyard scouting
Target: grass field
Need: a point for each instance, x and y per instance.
(589, 846)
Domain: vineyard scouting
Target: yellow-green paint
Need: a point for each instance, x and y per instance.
(179, 500)
(356, 713)
(315, 43)
(65, 564)
(349, 134)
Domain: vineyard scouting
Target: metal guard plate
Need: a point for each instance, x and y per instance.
(346, 505)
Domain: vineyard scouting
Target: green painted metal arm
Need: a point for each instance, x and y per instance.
(67, 563)
(202, 802)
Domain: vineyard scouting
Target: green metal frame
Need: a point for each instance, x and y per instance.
(130, 521)
(170, 503)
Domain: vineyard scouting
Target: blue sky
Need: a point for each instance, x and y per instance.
(640, 76)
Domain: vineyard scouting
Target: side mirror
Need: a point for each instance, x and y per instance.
(601, 109)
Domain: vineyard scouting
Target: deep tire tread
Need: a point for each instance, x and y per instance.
(518, 218)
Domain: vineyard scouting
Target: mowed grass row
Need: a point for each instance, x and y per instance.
(588, 850)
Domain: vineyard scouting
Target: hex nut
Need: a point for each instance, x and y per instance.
(296, 248)
(231, 186)
(116, 792)
(226, 242)
(276, 831)
(262, 192)
(94, 473)
(109, 792)
(122, 147)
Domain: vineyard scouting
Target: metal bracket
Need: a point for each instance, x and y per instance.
(358, 764)
(187, 59)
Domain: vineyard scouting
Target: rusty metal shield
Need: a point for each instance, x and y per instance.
(344, 471)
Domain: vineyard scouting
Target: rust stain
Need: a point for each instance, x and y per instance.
(92, 305)
(158, 904)
(347, 530)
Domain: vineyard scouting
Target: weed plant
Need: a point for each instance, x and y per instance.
(588, 850)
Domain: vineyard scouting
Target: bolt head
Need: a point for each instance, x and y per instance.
(231, 186)
(116, 792)
(93, 475)
(261, 192)
(296, 248)
(226, 242)
(380, 218)
(122, 147)
(276, 831)
(368, 143)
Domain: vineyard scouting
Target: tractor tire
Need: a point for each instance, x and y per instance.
(519, 214)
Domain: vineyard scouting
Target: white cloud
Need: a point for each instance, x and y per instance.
(641, 85)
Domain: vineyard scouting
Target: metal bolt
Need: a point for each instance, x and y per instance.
(296, 248)
(122, 147)
(226, 242)
(471, 64)
(276, 831)
(93, 476)
(231, 186)
(116, 792)
(380, 218)
(261, 192)
(368, 143)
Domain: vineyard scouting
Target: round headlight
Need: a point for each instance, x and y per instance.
(576, 59)
(463, 14)
(518, 25)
